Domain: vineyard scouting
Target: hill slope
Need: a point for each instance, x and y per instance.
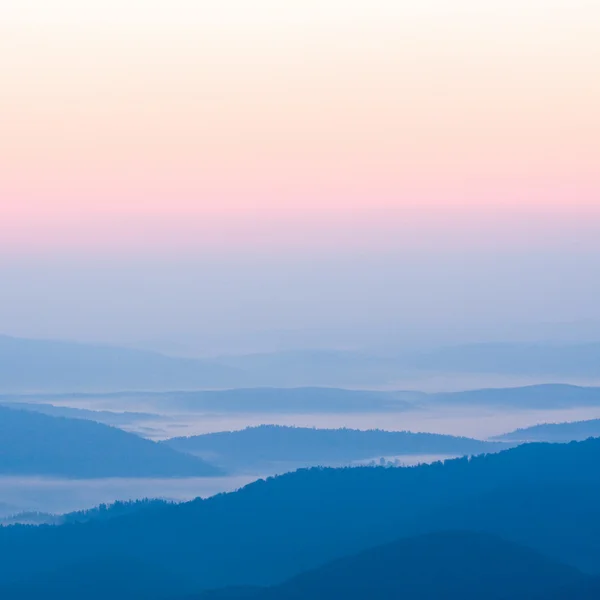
(36, 444)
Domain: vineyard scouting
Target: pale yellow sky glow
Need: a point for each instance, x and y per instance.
(190, 116)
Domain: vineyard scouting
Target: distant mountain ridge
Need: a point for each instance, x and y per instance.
(541, 359)
(43, 365)
(302, 368)
(554, 432)
(344, 367)
(28, 365)
(549, 395)
(245, 400)
(325, 399)
(107, 417)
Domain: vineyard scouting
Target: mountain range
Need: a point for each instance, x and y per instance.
(28, 365)
(542, 496)
(444, 566)
(44, 365)
(310, 400)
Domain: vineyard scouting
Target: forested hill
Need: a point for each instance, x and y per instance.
(554, 432)
(257, 447)
(545, 496)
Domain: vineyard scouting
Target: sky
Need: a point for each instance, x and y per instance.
(219, 167)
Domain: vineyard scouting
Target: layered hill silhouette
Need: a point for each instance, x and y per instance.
(117, 419)
(533, 359)
(238, 400)
(444, 566)
(544, 496)
(554, 432)
(28, 365)
(316, 367)
(335, 367)
(40, 365)
(311, 400)
(286, 400)
(530, 397)
(32, 443)
(268, 445)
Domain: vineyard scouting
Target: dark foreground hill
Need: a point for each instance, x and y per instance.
(36, 444)
(444, 566)
(123, 578)
(264, 446)
(544, 496)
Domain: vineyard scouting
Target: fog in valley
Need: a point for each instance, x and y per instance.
(149, 416)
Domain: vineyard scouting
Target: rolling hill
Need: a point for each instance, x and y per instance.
(114, 418)
(32, 443)
(268, 445)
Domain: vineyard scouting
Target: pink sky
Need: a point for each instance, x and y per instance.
(156, 127)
